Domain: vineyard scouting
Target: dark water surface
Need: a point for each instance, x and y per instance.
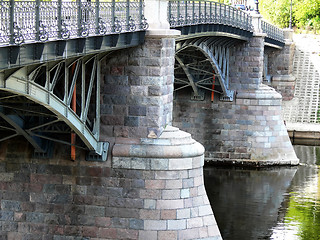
(280, 203)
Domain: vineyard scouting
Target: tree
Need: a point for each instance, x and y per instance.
(304, 12)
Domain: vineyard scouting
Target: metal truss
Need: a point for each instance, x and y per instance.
(48, 102)
(203, 63)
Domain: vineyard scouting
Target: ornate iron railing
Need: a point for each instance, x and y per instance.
(272, 31)
(186, 13)
(29, 21)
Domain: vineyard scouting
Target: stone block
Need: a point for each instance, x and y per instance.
(168, 214)
(177, 224)
(147, 235)
(185, 193)
(194, 222)
(173, 184)
(137, 224)
(171, 194)
(155, 224)
(170, 204)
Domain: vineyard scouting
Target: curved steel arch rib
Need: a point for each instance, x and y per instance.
(216, 51)
(53, 86)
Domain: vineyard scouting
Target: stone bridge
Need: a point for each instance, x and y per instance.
(104, 84)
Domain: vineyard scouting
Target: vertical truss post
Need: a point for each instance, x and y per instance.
(98, 98)
(97, 16)
(66, 87)
(83, 90)
(48, 83)
(37, 20)
(59, 18)
(11, 24)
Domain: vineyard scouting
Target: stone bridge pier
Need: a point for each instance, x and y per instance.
(151, 186)
(248, 130)
(137, 117)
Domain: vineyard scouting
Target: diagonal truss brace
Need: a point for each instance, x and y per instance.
(23, 82)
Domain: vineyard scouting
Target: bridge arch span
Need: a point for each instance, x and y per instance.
(203, 63)
(68, 91)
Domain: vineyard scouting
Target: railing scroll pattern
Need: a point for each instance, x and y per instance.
(187, 13)
(39, 21)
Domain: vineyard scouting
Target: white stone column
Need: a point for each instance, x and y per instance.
(256, 22)
(156, 14)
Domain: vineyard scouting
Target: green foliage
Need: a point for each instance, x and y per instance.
(306, 215)
(305, 13)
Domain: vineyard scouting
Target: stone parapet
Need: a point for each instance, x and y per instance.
(175, 204)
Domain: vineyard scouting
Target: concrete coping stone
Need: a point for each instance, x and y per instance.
(264, 92)
(303, 127)
(287, 78)
(163, 33)
(172, 143)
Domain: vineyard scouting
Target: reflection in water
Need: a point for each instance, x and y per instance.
(269, 203)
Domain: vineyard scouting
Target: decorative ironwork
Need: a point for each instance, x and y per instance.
(200, 12)
(30, 21)
(117, 27)
(131, 25)
(272, 31)
(65, 34)
(144, 24)
(43, 34)
(103, 27)
(17, 34)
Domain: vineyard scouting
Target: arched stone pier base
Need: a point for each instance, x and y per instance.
(259, 119)
(175, 203)
(248, 131)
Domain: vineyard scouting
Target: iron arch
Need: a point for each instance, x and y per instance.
(66, 97)
(210, 55)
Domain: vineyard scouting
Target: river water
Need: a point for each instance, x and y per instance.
(280, 203)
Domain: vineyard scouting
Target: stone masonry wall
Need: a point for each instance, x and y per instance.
(247, 131)
(137, 90)
(246, 62)
(280, 67)
(136, 198)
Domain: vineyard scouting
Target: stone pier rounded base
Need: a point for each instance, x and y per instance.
(175, 203)
(266, 131)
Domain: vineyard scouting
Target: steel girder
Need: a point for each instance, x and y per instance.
(214, 50)
(35, 102)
